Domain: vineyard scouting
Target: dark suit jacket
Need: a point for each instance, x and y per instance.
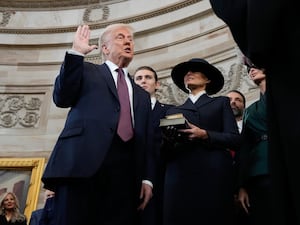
(91, 124)
(43, 216)
(47, 216)
(35, 217)
(158, 112)
(153, 212)
(253, 156)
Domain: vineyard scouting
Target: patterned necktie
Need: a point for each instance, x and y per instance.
(125, 129)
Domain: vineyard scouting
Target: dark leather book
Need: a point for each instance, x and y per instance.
(176, 120)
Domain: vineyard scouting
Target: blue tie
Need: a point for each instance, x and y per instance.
(125, 129)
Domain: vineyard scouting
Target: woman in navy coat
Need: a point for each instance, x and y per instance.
(199, 173)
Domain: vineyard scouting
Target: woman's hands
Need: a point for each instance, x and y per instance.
(194, 132)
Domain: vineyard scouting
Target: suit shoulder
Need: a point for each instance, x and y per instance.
(36, 212)
(140, 90)
(221, 98)
(91, 65)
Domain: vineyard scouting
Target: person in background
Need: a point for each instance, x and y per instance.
(199, 172)
(47, 213)
(254, 176)
(10, 210)
(37, 214)
(102, 167)
(265, 33)
(238, 104)
(147, 78)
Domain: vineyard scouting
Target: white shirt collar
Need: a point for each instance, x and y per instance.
(194, 98)
(153, 102)
(112, 67)
(240, 125)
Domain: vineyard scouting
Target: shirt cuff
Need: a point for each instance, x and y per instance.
(73, 52)
(148, 182)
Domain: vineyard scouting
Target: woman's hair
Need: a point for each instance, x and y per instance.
(249, 64)
(16, 214)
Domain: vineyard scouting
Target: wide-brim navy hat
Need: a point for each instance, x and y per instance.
(198, 65)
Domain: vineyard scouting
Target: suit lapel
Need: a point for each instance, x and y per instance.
(135, 94)
(188, 105)
(106, 74)
(157, 111)
(203, 100)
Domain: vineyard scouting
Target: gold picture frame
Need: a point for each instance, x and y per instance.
(23, 177)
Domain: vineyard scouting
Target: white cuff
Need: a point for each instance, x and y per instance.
(73, 52)
(148, 182)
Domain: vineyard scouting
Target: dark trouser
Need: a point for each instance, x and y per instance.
(259, 191)
(153, 213)
(107, 198)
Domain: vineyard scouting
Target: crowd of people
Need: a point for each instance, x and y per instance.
(164, 174)
(113, 163)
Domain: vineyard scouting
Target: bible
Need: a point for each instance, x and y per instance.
(176, 120)
(170, 126)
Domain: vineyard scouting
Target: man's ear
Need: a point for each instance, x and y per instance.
(157, 85)
(105, 49)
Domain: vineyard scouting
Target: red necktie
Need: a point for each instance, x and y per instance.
(125, 129)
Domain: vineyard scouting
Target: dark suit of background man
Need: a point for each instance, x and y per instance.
(147, 78)
(266, 33)
(97, 177)
(44, 215)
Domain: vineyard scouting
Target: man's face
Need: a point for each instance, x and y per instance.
(146, 79)
(237, 103)
(119, 47)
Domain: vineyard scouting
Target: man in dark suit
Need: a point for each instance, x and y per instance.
(101, 172)
(147, 78)
(265, 33)
(36, 215)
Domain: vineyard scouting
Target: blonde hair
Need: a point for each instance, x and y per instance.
(16, 215)
(107, 32)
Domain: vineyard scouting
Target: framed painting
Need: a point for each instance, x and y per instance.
(23, 177)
